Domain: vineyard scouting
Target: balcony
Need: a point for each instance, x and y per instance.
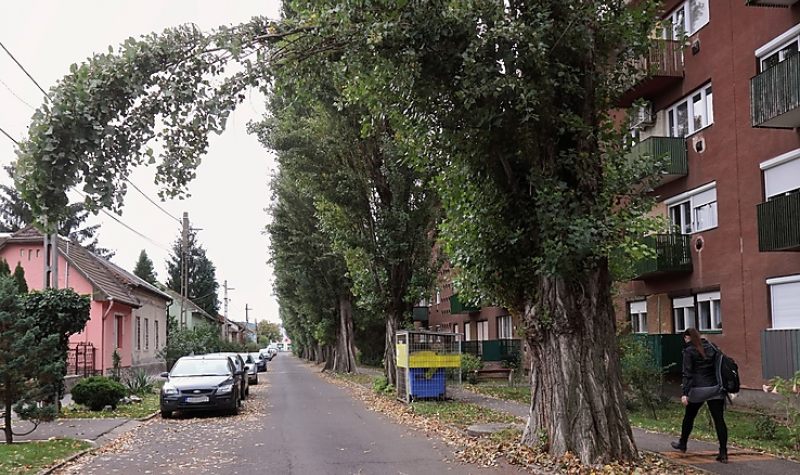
(457, 306)
(780, 353)
(779, 224)
(775, 95)
(420, 314)
(770, 3)
(662, 67)
(673, 151)
(673, 256)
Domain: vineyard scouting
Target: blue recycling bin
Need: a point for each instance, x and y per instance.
(427, 383)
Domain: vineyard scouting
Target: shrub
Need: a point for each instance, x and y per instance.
(470, 365)
(789, 390)
(766, 427)
(381, 385)
(642, 376)
(98, 392)
(139, 382)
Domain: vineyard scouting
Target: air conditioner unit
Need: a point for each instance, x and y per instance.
(643, 116)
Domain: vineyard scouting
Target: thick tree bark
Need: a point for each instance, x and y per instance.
(577, 403)
(389, 355)
(343, 359)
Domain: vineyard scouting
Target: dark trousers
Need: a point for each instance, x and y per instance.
(717, 408)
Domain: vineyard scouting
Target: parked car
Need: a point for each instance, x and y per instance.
(205, 382)
(251, 366)
(261, 361)
(240, 366)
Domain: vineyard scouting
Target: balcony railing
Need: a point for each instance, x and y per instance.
(420, 314)
(493, 350)
(770, 3)
(661, 67)
(779, 224)
(457, 306)
(775, 95)
(672, 149)
(780, 353)
(672, 256)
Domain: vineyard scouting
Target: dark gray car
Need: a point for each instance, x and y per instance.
(201, 383)
(240, 366)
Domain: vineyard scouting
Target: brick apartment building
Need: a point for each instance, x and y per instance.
(724, 106)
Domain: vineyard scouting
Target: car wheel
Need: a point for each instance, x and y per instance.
(166, 414)
(255, 381)
(237, 403)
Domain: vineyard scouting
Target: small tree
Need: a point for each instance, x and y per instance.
(19, 277)
(269, 331)
(144, 269)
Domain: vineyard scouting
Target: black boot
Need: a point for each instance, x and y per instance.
(680, 445)
(723, 456)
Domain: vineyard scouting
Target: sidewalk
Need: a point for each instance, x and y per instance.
(700, 455)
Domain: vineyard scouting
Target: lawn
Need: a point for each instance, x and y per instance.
(461, 414)
(30, 457)
(148, 406)
(742, 430)
(521, 393)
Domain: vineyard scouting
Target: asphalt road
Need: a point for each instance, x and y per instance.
(294, 423)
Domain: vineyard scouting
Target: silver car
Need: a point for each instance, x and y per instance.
(251, 365)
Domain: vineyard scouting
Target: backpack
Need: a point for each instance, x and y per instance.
(727, 373)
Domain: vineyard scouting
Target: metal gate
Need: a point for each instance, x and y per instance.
(80, 359)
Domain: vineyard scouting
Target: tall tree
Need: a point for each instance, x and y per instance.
(19, 278)
(268, 330)
(15, 214)
(144, 269)
(203, 285)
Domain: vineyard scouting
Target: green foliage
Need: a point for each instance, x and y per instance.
(32, 457)
(203, 285)
(766, 426)
(116, 366)
(144, 269)
(381, 385)
(269, 331)
(789, 390)
(470, 365)
(19, 278)
(97, 392)
(642, 376)
(5, 270)
(139, 382)
(199, 340)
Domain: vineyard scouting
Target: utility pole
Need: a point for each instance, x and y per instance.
(184, 266)
(50, 248)
(247, 309)
(225, 300)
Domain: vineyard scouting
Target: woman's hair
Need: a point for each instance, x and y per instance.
(694, 336)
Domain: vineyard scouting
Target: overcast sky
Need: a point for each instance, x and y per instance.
(230, 192)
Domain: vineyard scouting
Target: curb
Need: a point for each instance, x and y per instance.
(147, 418)
(62, 462)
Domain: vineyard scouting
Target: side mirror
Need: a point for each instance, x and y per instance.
(164, 375)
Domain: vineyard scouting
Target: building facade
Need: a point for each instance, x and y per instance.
(723, 107)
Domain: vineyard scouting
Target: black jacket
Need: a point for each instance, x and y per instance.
(698, 372)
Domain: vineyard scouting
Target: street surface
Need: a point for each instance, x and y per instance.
(294, 423)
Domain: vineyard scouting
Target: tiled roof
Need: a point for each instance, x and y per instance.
(176, 297)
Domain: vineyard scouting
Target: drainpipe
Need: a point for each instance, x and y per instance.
(103, 336)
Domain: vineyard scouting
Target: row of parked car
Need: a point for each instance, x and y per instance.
(214, 381)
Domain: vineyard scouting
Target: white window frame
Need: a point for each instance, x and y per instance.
(638, 315)
(438, 297)
(467, 336)
(786, 170)
(686, 26)
(776, 45)
(714, 303)
(693, 198)
(455, 328)
(683, 311)
(706, 112)
(505, 327)
(793, 286)
(483, 330)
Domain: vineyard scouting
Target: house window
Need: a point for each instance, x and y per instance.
(692, 113)
(467, 336)
(155, 329)
(784, 295)
(505, 328)
(709, 315)
(455, 328)
(695, 210)
(146, 333)
(683, 312)
(782, 175)
(483, 330)
(779, 49)
(687, 19)
(118, 319)
(138, 333)
(639, 316)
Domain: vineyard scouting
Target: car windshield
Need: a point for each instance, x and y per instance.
(247, 358)
(255, 356)
(198, 367)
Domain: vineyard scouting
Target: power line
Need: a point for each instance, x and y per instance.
(15, 94)
(9, 136)
(24, 70)
(151, 201)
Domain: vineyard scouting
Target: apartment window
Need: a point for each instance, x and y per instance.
(687, 19)
(779, 49)
(146, 333)
(505, 330)
(782, 175)
(483, 330)
(155, 329)
(138, 333)
(455, 328)
(691, 113)
(695, 210)
(784, 295)
(467, 336)
(118, 319)
(639, 316)
(709, 315)
(683, 312)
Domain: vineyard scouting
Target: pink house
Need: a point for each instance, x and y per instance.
(127, 314)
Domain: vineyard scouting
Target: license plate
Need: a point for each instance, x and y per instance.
(196, 399)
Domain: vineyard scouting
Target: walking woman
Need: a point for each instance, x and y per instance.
(700, 385)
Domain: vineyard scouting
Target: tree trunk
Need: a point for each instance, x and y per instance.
(577, 403)
(344, 353)
(389, 355)
(7, 422)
